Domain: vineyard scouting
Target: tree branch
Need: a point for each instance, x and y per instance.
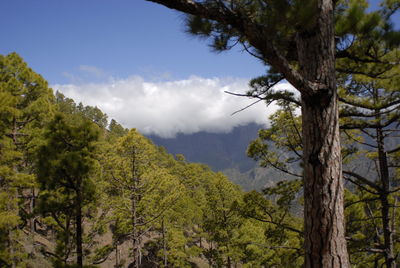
(256, 35)
(363, 180)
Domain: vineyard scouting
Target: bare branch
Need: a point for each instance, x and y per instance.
(248, 106)
(363, 180)
(360, 201)
(394, 150)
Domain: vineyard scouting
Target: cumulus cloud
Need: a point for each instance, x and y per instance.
(166, 108)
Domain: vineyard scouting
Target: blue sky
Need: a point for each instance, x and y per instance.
(133, 60)
(121, 37)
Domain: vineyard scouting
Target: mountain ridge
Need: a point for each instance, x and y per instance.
(224, 152)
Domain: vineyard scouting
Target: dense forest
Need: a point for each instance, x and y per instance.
(80, 190)
(77, 190)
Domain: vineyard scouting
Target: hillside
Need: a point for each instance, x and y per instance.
(225, 152)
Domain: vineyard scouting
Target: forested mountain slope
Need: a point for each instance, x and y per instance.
(225, 152)
(79, 191)
(219, 151)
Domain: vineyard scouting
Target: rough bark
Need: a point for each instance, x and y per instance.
(325, 244)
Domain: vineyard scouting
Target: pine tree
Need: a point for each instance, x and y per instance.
(116, 130)
(370, 113)
(68, 106)
(141, 190)
(65, 168)
(298, 40)
(25, 106)
(221, 220)
(368, 122)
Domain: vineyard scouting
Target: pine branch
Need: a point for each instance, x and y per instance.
(255, 33)
(363, 180)
(363, 124)
(369, 106)
(358, 113)
(360, 201)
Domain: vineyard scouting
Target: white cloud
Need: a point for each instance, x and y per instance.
(169, 107)
(92, 70)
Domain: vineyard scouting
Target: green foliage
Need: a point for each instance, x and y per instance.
(282, 231)
(369, 120)
(139, 186)
(280, 146)
(67, 159)
(188, 213)
(68, 106)
(66, 169)
(25, 106)
(221, 220)
(102, 253)
(279, 18)
(116, 130)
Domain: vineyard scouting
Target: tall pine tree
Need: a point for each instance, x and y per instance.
(25, 106)
(65, 172)
(298, 40)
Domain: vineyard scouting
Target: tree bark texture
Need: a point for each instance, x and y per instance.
(325, 244)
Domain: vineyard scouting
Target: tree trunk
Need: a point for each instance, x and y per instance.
(79, 229)
(11, 207)
(116, 256)
(32, 204)
(164, 244)
(11, 249)
(315, 78)
(229, 263)
(135, 234)
(325, 244)
(384, 199)
(66, 240)
(387, 233)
